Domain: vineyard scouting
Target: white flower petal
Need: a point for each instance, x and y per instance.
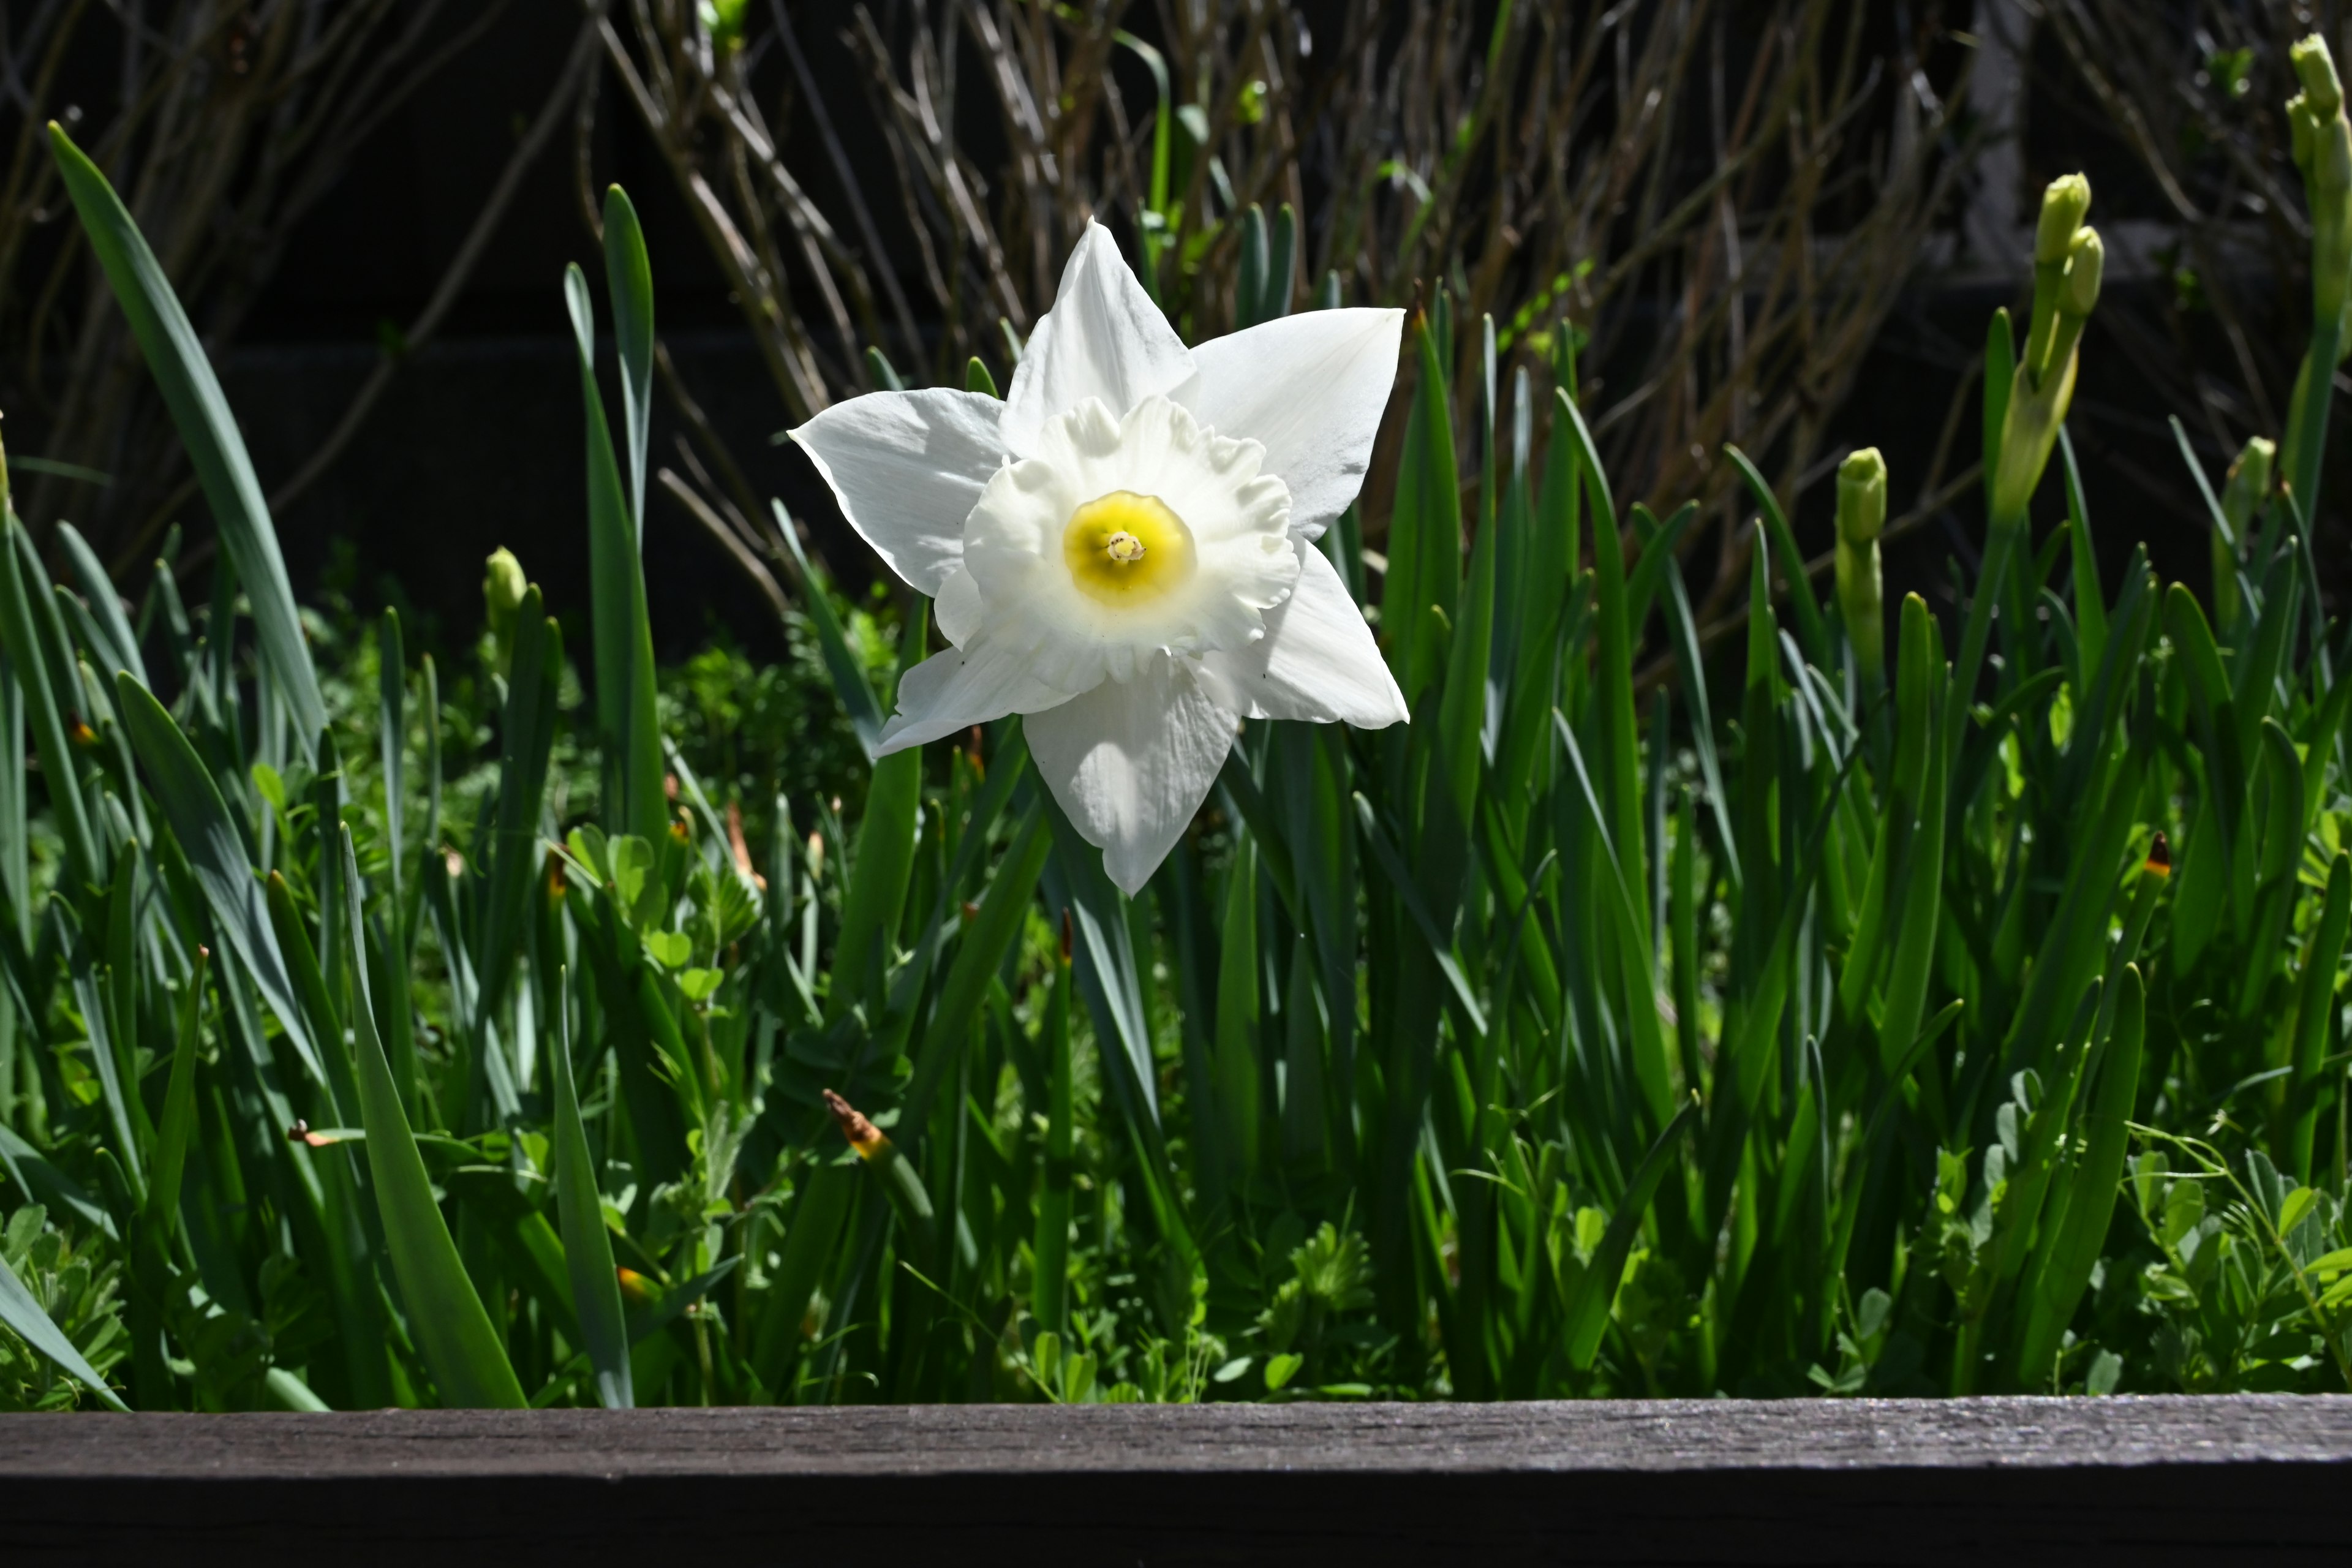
(1317, 661)
(1131, 761)
(1104, 338)
(959, 609)
(906, 468)
(962, 687)
(1311, 388)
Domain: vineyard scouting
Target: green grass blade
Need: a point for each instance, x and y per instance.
(1812, 632)
(2315, 1005)
(1692, 663)
(527, 740)
(1050, 1304)
(1408, 893)
(460, 1346)
(391, 734)
(587, 1249)
(1650, 568)
(1425, 529)
(1463, 712)
(2090, 599)
(623, 634)
(207, 429)
(629, 273)
(178, 1126)
(206, 835)
(1281, 265)
(980, 951)
(1106, 945)
(121, 647)
(1596, 1289)
(850, 682)
(1613, 679)
(31, 660)
(876, 898)
(2074, 1251)
(1917, 889)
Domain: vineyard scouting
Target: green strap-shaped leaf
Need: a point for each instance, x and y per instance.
(391, 734)
(1614, 677)
(870, 911)
(105, 605)
(526, 741)
(461, 1348)
(850, 682)
(629, 272)
(201, 823)
(587, 1251)
(179, 1123)
(980, 954)
(207, 429)
(623, 634)
(1810, 630)
(31, 659)
(2081, 1234)
(1596, 1288)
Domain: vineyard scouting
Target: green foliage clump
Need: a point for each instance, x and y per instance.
(1823, 1014)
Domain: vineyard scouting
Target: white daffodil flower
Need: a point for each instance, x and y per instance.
(1122, 549)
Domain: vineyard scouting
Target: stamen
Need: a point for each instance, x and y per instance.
(1124, 546)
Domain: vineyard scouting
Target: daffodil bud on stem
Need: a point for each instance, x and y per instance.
(2069, 264)
(2323, 145)
(2322, 151)
(2064, 205)
(503, 587)
(1861, 516)
(2248, 488)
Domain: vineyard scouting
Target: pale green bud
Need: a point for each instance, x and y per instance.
(503, 587)
(2249, 485)
(2086, 266)
(2248, 482)
(2315, 69)
(2064, 205)
(1861, 515)
(1862, 496)
(2303, 129)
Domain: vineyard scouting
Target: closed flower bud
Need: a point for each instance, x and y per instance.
(2303, 127)
(2085, 267)
(1862, 496)
(502, 589)
(2315, 69)
(2248, 482)
(2064, 205)
(1861, 516)
(2248, 487)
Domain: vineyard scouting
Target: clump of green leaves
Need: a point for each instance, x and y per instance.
(79, 1290)
(1831, 1015)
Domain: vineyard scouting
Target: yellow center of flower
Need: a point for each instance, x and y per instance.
(1126, 549)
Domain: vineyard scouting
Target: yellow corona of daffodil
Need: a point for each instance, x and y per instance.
(1123, 550)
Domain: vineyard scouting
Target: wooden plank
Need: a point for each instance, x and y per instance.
(2256, 1478)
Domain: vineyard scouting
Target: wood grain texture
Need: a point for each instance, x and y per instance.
(2265, 1480)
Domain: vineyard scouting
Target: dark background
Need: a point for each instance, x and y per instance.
(478, 443)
